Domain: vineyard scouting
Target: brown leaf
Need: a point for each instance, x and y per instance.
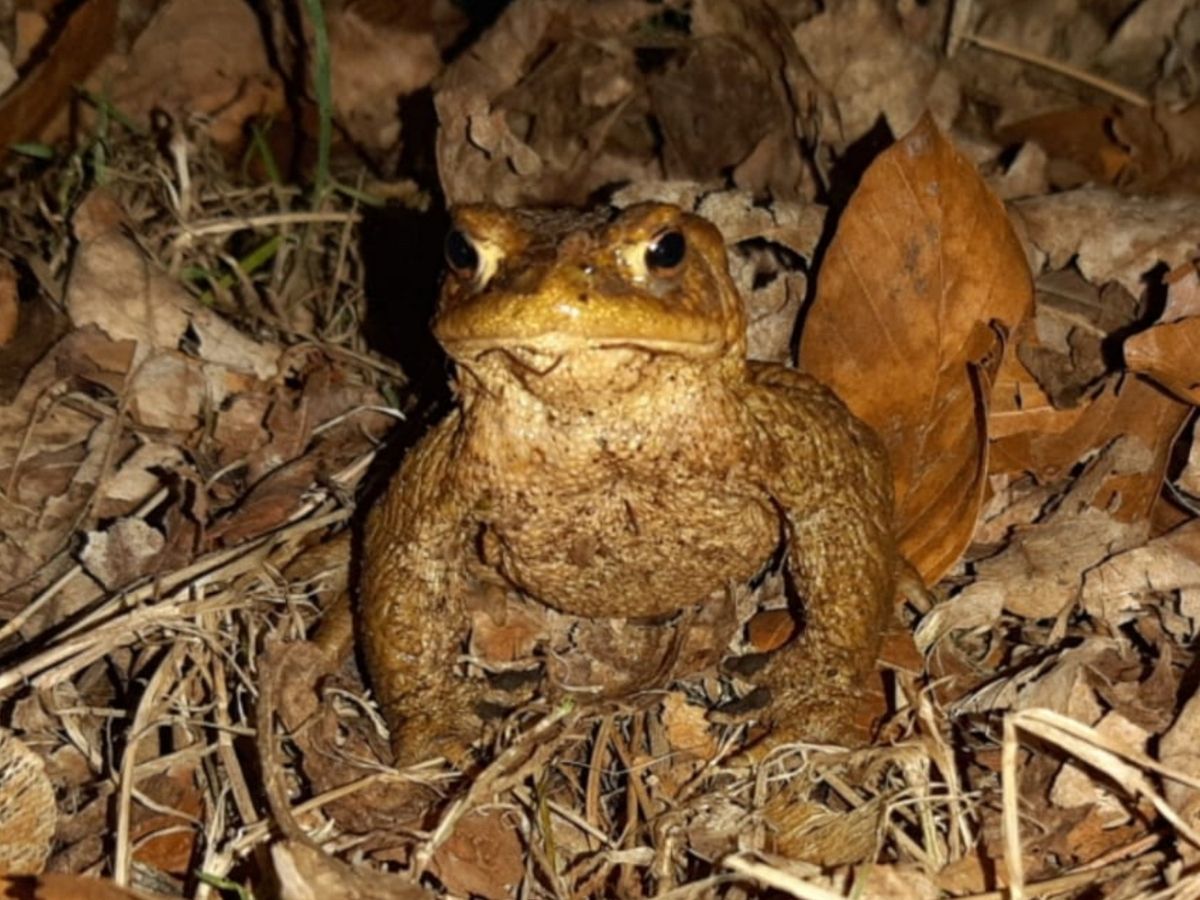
(8, 301)
(770, 629)
(1177, 750)
(163, 840)
(897, 80)
(1114, 591)
(121, 553)
(482, 857)
(202, 58)
(1109, 237)
(57, 886)
(1169, 352)
(305, 872)
(83, 41)
(688, 728)
(1126, 406)
(1080, 142)
(27, 810)
(923, 272)
(113, 285)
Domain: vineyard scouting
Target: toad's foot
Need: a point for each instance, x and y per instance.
(816, 696)
(442, 722)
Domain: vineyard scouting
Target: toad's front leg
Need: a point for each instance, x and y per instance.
(413, 623)
(843, 567)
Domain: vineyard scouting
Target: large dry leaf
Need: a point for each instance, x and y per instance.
(918, 288)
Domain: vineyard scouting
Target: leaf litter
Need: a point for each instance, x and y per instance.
(194, 411)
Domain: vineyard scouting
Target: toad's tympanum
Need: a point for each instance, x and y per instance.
(614, 454)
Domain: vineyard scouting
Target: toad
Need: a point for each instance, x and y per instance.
(613, 453)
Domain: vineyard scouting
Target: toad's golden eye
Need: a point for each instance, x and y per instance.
(666, 251)
(461, 254)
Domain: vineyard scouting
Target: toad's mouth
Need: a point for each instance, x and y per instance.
(542, 352)
(559, 322)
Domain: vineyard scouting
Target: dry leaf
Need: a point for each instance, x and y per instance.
(1040, 573)
(483, 857)
(896, 881)
(114, 286)
(123, 552)
(201, 60)
(9, 302)
(28, 814)
(1126, 406)
(78, 47)
(1076, 786)
(812, 832)
(1114, 592)
(305, 873)
(688, 728)
(59, 886)
(898, 80)
(923, 270)
(1110, 237)
(555, 101)
(770, 630)
(1079, 141)
(1169, 352)
(1178, 750)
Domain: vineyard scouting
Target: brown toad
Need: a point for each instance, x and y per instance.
(614, 454)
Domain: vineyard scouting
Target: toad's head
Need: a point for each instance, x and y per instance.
(540, 286)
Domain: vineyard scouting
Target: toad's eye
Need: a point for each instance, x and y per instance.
(666, 251)
(461, 253)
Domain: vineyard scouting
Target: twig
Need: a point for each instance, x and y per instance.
(1103, 84)
(777, 878)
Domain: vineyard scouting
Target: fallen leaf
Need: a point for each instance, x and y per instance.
(554, 101)
(59, 886)
(114, 286)
(1040, 573)
(204, 59)
(1179, 750)
(1169, 351)
(897, 881)
(920, 284)
(306, 873)
(482, 857)
(9, 302)
(1126, 405)
(79, 46)
(1076, 786)
(898, 80)
(28, 813)
(121, 553)
(770, 630)
(1079, 141)
(165, 834)
(1110, 237)
(688, 728)
(1114, 591)
(168, 391)
(810, 831)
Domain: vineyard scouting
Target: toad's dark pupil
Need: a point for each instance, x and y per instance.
(460, 252)
(666, 251)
